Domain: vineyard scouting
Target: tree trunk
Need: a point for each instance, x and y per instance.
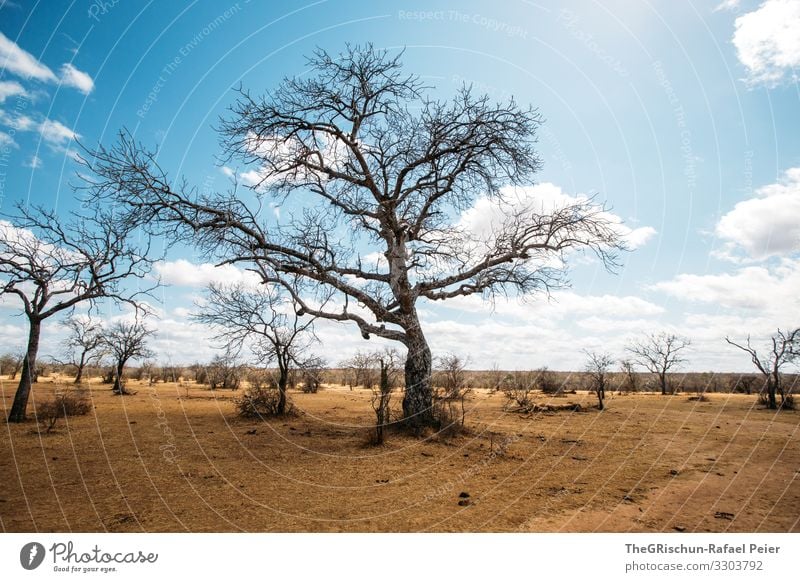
(773, 401)
(663, 378)
(20, 405)
(118, 387)
(283, 380)
(81, 364)
(418, 400)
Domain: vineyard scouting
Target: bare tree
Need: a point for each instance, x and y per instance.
(388, 362)
(264, 319)
(51, 267)
(628, 369)
(11, 364)
(363, 370)
(785, 350)
(382, 170)
(450, 392)
(83, 344)
(224, 371)
(126, 341)
(598, 366)
(659, 353)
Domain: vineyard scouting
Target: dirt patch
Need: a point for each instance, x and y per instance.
(172, 458)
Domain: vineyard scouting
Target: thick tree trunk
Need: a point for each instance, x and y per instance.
(20, 406)
(81, 364)
(283, 381)
(418, 400)
(773, 401)
(663, 379)
(118, 387)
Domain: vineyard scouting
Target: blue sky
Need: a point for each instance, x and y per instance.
(683, 116)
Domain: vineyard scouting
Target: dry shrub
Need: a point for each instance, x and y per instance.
(62, 405)
(261, 402)
(787, 403)
(451, 389)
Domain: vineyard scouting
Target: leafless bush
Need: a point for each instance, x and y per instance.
(262, 402)
(224, 372)
(449, 394)
(64, 404)
(547, 381)
(518, 388)
(382, 394)
(311, 372)
(11, 364)
(259, 378)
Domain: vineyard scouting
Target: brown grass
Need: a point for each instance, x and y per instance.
(162, 461)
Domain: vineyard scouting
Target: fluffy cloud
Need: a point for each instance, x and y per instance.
(72, 77)
(10, 89)
(727, 5)
(766, 225)
(187, 274)
(767, 40)
(20, 62)
(6, 140)
(764, 290)
(56, 133)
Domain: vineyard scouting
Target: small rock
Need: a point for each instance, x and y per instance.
(679, 528)
(628, 498)
(723, 515)
(463, 495)
(464, 502)
(254, 431)
(674, 472)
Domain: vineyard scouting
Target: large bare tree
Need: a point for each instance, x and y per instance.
(377, 175)
(264, 320)
(52, 265)
(659, 353)
(785, 349)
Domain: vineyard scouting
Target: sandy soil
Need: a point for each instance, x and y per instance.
(172, 458)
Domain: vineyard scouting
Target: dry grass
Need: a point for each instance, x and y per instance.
(173, 458)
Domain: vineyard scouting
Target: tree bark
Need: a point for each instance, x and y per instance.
(118, 387)
(81, 364)
(773, 401)
(283, 380)
(20, 405)
(418, 399)
(663, 378)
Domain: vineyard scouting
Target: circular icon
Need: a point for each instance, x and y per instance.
(31, 555)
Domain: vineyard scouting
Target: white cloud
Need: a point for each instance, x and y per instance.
(72, 77)
(766, 225)
(35, 162)
(20, 62)
(187, 274)
(56, 133)
(767, 40)
(10, 89)
(727, 5)
(251, 178)
(227, 171)
(6, 140)
(764, 290)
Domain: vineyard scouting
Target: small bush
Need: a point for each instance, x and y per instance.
(518, 389)
(787, 403)
(261, 402)
(63, 404)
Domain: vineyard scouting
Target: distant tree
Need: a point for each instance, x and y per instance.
(659, 353)
(312, 369)
(11, 364)
(785, 350)
(389, 368)
(450, 391)
(598, 366)
(628, 369)
(84, 344)
(264, 319)
(52, 267)
(125, 342)
(363, 369)
(381, 168)
(224, 371)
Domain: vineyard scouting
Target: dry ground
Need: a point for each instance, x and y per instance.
(170, 460)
